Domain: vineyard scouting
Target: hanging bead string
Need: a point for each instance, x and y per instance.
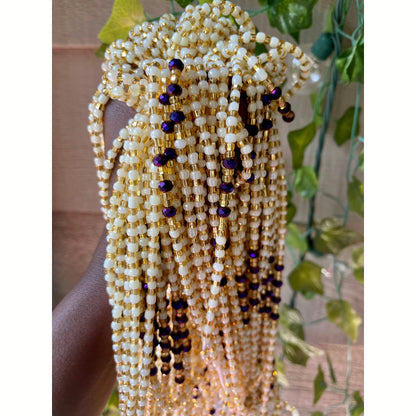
(197, 216)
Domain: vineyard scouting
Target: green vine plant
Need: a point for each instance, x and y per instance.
(344, 54)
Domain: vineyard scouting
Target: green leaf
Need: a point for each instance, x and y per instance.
(281, 376)
(306, 277)
(331, 369)
(317, 413)
(299, 141)
(99, 53)
(259, 49)
(292, 334)
(344, 126)
(291, 212)
(356, 196)
(111, 408)
(361, 160)
(332, 237)
(351, 63)
(329, 24)
(319, 115)
(295, 239)
(290, 16)
(319, 385)
(358, 408)
(295, 36)
(291, 319)
(295, 348)
(341, 313)
(358, 263)
(184, 3)
(306, 182)
(124, 16)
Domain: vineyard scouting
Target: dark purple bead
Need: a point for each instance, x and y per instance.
(212, 411)
(213, 242)
(165, 370)
(227, 187)
(254, 301)
(274, 316)
(227, 244)
(266, 124)
(269, 293)
(267, 309)
(289, 117)
(185, 304)
(285, 109)
(277, 283)
(254, 269)
(242, 295)
(252, 129)
(164, 331)
(279, 267)
(244, 308)
(229, 163)
(187, 348)
(176, 336)
(176, 64)
(223, 211)
(253, 254)
(185, 334)
(250, 179)
(177, 116)
(240, 279)
(221, 333)
(166, 358)
(177, 304)
(223, 281)
(164, 99)
(253, 155)
(276, 93)
(270, 278)
(165, 345)
(170, 153)
(153, 371)
(271, 259)
(254, 286)
(262, 309)
(263, 296)
(160, 160)
(178, 366)
(168, 126)
(145, 287)
(246, 321)
(177, 350)
(276, 299)
(182, 319)
(169, 212)
(165, 186)
(266, 98)
(179, 379)
(174, 89)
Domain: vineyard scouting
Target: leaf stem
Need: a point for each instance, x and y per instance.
(316, 321)
(172, 6)
(253, 13)
(353, 134)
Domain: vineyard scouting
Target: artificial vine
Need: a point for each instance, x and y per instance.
(316, 238)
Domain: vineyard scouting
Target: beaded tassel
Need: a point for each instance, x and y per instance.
(197, 216)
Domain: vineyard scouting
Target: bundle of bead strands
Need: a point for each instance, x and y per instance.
(197, 217)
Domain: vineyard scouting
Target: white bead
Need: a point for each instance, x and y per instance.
(260, 37)
(274, 42)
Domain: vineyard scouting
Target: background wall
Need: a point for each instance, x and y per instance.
(77, 222)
